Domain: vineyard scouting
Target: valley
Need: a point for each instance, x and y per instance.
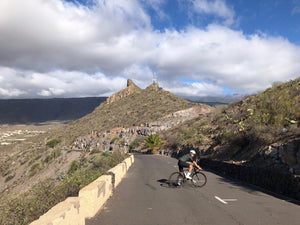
(17, 133)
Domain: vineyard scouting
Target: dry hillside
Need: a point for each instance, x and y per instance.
(129, 107)
(260, 130)
(51, 153)
(49, 167)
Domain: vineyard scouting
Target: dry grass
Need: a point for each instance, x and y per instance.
(247, 125)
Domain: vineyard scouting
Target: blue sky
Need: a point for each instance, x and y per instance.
(68, 48)
(273, 17)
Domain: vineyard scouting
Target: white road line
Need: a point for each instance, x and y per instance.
(221, 200)
(225, 201)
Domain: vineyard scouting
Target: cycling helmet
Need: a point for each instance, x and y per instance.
(193, 151)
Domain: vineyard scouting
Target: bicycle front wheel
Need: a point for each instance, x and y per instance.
(199, 179)
(175, 180)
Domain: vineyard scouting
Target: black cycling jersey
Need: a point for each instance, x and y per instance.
(187, 158)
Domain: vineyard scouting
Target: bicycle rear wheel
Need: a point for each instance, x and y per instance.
(175, 180)
(199, 179)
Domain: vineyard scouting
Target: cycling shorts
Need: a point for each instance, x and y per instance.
(182, 165)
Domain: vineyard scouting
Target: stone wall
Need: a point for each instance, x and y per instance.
(273, 180)
(287, 154)
(90, 200)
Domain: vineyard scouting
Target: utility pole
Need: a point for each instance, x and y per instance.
(155, 82)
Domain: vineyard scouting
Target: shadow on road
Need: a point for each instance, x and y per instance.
(252, 189)
(164, 183)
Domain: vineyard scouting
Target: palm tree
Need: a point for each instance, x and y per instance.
(154, 142)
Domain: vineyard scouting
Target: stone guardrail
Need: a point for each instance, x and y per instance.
(90, 200)
(269, 179)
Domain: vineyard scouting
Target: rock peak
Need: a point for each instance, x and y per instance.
(130, 83)
(130, 89)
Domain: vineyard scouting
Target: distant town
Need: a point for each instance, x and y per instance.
(16, 136)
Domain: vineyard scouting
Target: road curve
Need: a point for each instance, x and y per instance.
(144, 198)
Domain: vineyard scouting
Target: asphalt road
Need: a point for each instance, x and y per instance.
(144, 198)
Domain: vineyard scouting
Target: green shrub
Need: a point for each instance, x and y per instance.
(34, 169)
(35, 158)
(136, 143)
(188, 133)
(106, 153)
(117, 157)
(73, 167)
(153, 142)
(95, 150)
(122, 142)
(54, 154)
(101, 162)
(226, 137)
(114, 139)
(52, 143)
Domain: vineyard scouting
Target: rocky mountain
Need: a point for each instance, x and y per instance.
(130, 89)
(115, 124)
(131, 106)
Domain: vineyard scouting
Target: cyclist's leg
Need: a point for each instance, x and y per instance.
(182, 165)
(190, 166)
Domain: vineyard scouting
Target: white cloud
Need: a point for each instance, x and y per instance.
(10, 93)
(193, 89)
(29, 84)
(47, 34)
(218, 8)
(156, 5)
(228, 58)
(53, 48)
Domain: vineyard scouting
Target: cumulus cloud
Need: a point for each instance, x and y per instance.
(218, 8)
(48, 34)
(156, 5)
(193, 88)
(228, 58)
(58, 49)
(30, 84)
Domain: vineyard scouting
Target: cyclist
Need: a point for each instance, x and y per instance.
(188, 161)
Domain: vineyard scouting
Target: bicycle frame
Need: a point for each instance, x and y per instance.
(180, 178)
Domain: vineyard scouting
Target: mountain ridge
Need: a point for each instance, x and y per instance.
(26, 111)
(130, 89)
(129, 106)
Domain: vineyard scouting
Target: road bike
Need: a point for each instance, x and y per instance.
(177, 179)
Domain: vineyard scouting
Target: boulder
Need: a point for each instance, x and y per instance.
(288, 154)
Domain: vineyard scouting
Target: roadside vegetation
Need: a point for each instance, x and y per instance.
(244, 126)
(153, 142)
(27, 207)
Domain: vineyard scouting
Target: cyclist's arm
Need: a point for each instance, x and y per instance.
(194, 162)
